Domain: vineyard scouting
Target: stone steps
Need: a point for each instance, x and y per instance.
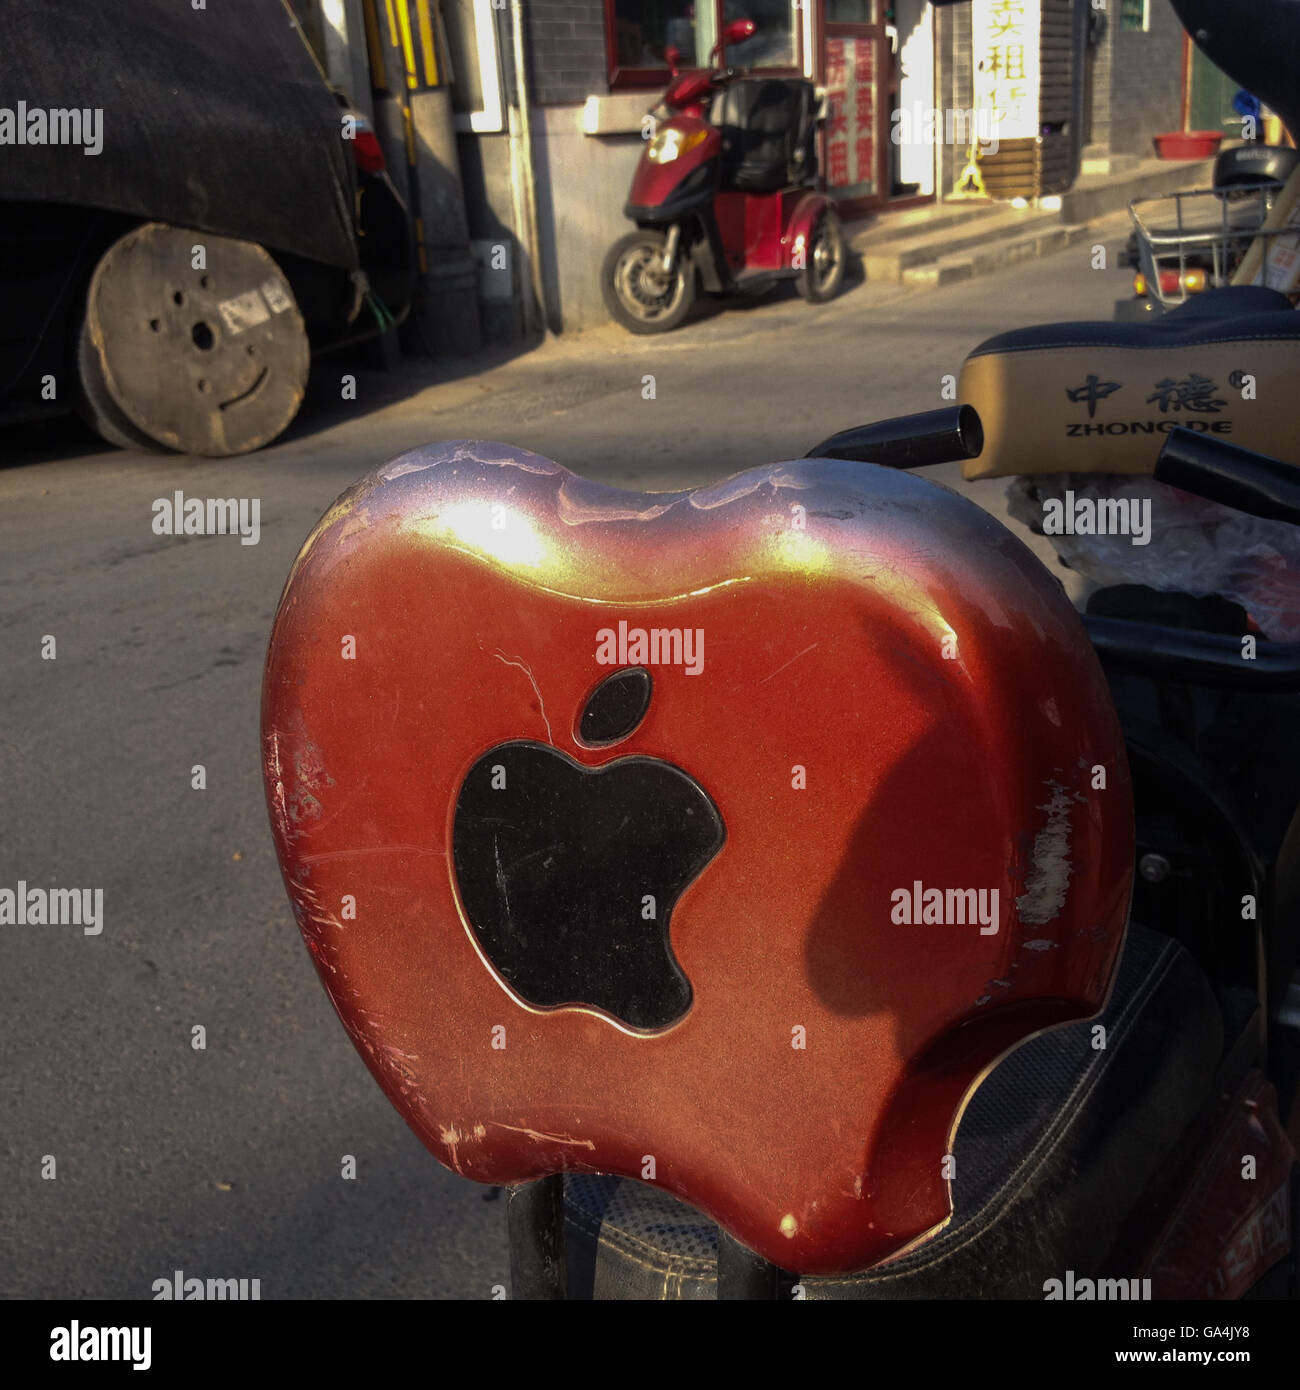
(942, 243)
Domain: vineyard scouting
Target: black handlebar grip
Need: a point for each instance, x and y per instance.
(1227, 473)
(909, 441)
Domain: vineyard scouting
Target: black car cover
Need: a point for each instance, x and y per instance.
(215, 118)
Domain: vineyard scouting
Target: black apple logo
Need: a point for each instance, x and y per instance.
(569, 874)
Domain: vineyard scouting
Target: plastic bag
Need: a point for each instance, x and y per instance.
(1096, 522)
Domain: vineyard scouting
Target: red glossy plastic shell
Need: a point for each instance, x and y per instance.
(653, 183)
(894, 692)
(688, 89)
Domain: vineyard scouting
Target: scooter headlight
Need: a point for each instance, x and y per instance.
(673, 142)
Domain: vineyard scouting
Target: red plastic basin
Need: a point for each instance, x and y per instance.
(1188, 144)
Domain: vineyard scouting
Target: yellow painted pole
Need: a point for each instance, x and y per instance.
(427, 47)
(378, 77)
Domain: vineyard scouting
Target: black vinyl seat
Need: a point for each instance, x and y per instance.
(767, 130)
(1053, 1152)
(1255, 164)
(1230, 313)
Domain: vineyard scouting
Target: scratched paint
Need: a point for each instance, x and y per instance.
(1047, 883)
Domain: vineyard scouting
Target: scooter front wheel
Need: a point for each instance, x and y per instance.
(826, 256)
(638, 292)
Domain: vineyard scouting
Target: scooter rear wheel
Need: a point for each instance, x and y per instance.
(637, 292)
(827, 254)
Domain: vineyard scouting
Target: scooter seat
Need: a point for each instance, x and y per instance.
(766, 126)
(556, 866)
(1056, 1148)
(1249, 164)
(1100, 397)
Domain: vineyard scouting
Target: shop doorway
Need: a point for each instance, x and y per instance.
(853, 73)
(862, 67)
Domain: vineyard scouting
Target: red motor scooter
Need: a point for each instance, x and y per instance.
(724, 192)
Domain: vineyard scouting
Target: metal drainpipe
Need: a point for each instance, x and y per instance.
(525, 168)
(519, 217)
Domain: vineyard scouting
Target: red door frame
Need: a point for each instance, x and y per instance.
(850, 208)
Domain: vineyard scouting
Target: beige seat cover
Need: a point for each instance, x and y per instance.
(1100, 397)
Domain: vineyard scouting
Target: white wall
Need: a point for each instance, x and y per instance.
(590, 176)
(915, 19)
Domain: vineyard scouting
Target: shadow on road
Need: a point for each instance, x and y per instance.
(330, 400)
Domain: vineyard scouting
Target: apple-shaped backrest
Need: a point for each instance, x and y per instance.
(720, 839)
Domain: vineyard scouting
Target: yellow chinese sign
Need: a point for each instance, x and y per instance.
(1004, 55)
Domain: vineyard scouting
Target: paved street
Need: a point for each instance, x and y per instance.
(226, 1162)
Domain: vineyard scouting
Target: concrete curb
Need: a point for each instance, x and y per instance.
(1097, 195)
(985, 260)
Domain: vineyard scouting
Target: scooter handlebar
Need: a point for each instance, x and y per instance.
(1207, 467)
(1227, 473)
(909, 441)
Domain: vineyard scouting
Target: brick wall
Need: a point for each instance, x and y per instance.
(954, 80)
(566, 43)
(1098, 132)
(1138, 85)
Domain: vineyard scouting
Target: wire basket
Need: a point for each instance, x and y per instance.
(1205, 231)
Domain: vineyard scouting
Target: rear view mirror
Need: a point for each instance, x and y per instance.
(738, 31)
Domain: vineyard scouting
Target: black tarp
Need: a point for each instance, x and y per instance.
(215, 118)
